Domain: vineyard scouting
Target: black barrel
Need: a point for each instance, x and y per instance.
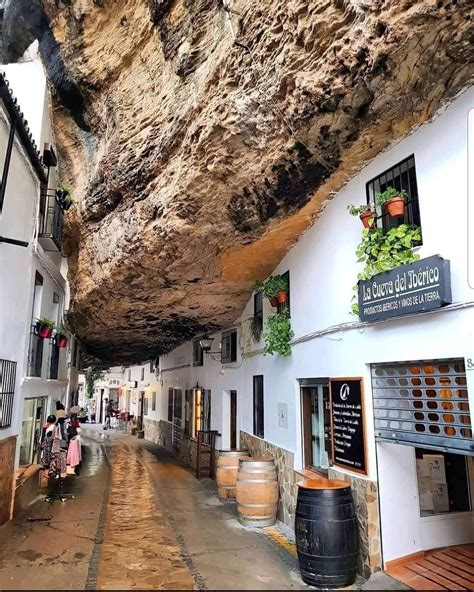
(327, 539)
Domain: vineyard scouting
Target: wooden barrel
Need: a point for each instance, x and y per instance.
(256, 491)
(226, 473)
(327, 539)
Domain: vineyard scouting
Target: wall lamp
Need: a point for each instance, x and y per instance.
(206, 344)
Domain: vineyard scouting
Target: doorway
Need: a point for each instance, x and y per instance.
(233, 419)
(33, 419)
(316, 425)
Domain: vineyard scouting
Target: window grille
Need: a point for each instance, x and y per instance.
(258, 406)
(35, 355)
(401, 176)
(198, 356)
(285, 305)
(229, 346)
(424, 404)
(258, 309)
(7, 392)
(54, 361)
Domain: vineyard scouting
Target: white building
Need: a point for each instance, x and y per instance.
(413, 374)
(33, 276)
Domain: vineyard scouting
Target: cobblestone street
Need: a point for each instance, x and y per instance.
(138, 520)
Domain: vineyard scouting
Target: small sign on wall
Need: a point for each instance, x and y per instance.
(347, 424)
(283, 415)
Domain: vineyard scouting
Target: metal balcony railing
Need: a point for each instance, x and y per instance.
(51, 221)
(35, 354)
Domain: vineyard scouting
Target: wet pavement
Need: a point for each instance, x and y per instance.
(140, 520)
(55, 545)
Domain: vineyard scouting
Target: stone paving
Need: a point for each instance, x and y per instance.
(140, 520)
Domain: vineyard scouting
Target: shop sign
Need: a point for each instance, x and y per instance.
(417, 287)
(347, 424)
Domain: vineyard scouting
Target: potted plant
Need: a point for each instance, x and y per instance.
(44, 328)
(365, 212)
(276, 289)
(393, 199)
(64, 197)
(278, 334)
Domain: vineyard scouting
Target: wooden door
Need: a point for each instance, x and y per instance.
(233, 419)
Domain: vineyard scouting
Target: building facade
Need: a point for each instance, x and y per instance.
(34, 368)
(383, 402)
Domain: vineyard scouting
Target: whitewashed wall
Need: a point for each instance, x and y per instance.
(323, 270)
(16, 221)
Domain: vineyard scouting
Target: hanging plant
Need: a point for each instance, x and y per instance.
(278, 334)
(393, 200)
(256, 328)
(45, 328)
(366, 213)
(380, 251)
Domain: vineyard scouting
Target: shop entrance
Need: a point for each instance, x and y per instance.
(33, 418)
(425, 466)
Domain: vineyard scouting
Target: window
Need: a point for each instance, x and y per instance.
(258, 310)
(197, 413)
(198, 356)
(400, 176)
(316, 423)
(54, 361)
(188, 413)
(285, 305)
(145, 406)
(229, 346)
(7, 392)
(129, 375)
(153, 401)
(170, 404)
(152, 367)
(258, 417)
(142, 376)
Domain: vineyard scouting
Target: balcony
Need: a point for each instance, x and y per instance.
(35, 354)
(51, 222)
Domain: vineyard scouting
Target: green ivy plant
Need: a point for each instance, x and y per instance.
(278, 334)
(272, 286)
(380, 251)
(256, 328)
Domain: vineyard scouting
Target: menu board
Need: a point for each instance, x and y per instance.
(347, 424)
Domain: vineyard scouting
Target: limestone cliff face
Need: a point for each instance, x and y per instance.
(201, 138)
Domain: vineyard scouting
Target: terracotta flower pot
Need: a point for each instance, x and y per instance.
(274, 301)
(44, 331)
(368, 219)
(282, 297)
(396, 206)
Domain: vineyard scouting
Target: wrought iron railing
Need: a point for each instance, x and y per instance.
(35, 354)
(51, 219)
(7, 392)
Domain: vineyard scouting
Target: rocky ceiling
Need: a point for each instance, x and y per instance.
(202, 137)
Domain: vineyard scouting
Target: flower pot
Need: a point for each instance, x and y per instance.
(66, 205)
(282, 297)
(44, 331)
(140, 434)
(62, 341)
(274, 301)
(368, 219)
(396, 206)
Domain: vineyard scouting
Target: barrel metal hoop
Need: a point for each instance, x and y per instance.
(256, 505)
(256, 480)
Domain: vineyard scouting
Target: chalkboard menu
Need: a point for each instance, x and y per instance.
(347, 424)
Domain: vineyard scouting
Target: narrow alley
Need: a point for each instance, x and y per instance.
(139, 520)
